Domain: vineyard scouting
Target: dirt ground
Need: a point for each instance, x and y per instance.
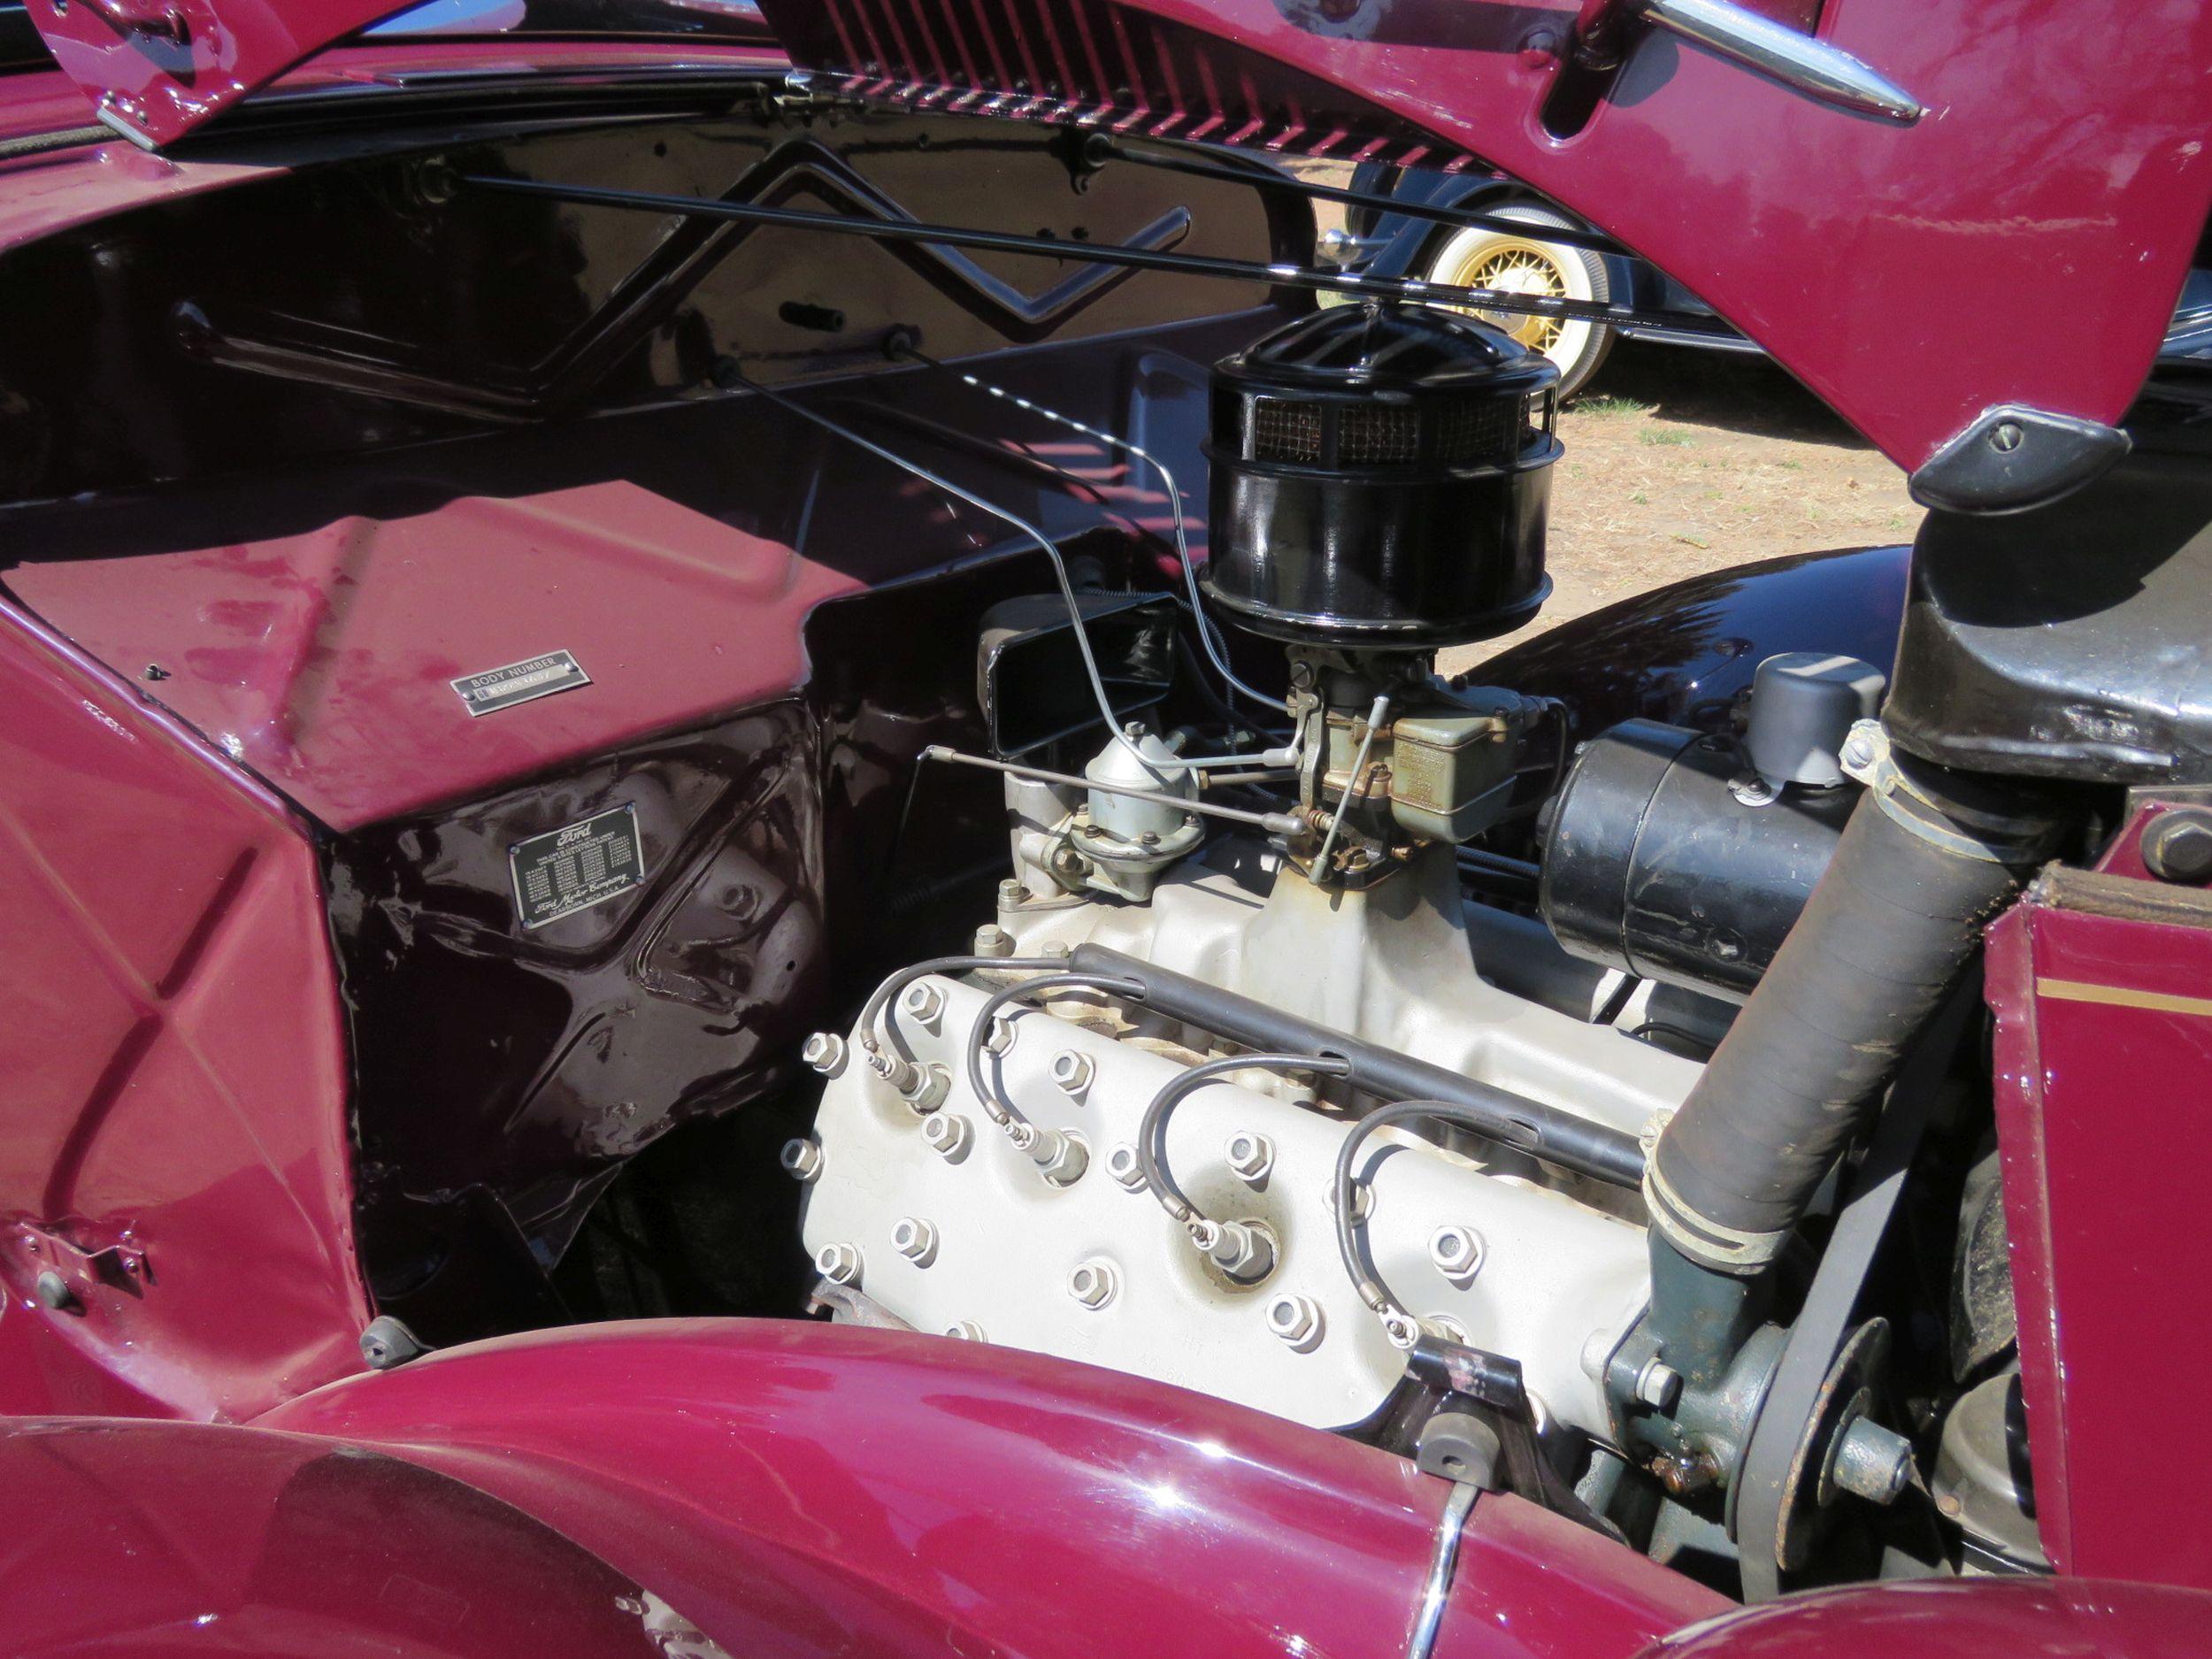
(1683, 461)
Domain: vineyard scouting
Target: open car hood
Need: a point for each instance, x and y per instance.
(1980, 289)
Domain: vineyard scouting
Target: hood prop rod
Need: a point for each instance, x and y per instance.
(1399, 288)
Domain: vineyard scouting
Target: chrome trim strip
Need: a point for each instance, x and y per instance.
(1783, 54)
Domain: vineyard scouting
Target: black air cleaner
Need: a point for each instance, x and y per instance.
(1380, 480)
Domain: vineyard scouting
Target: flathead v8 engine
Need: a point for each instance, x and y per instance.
(1261, 1080)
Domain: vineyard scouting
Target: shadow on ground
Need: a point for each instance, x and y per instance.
(1733, 391)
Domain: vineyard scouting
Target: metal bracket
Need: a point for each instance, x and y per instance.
(2011, 458)
(45, 1247)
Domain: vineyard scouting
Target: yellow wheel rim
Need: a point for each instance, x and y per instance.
(1516, 267)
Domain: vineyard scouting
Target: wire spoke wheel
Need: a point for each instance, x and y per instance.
(1518, 267)
(1500, 259)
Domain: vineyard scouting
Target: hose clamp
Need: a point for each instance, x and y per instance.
(2007, 836)
(1724, 1249)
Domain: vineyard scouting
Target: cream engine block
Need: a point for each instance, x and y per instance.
(921, 1209)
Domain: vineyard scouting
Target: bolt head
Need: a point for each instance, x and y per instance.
(967, 1331)
(1073, 1070)
(839, 1263)
(922, 1003)
(1296, 1320)
(1011, 894)
(991, 940)
(1750, 790)
(2006, 436)
(916, 1239)
(2176, 846)
(1658, 1385)
(1095, 1284)
(1862, 746)
(53, 1292)
(947, 1133)
(1250, 1156)
(801, 1159)
(1456, 1251)
(1122, 1164)
(825, 1052)
(1363, 1201)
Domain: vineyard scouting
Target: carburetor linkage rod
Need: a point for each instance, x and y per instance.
(1273, 823)
(1531, 1127)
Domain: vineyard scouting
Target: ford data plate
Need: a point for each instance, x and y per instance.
(577, 866)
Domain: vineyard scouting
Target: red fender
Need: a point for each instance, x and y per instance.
(801, 1487)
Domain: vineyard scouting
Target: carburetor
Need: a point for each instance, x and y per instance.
(1392, 759)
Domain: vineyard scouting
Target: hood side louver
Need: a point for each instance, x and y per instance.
(1094, 64)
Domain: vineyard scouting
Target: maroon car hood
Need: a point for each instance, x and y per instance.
(2023, 242)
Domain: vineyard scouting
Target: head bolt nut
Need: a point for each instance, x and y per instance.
(1095, 1284)
(967, 1331)
(947, 1134)
(991, 940)
(1297, 1320)
(1250, 1156)
(1011, 896)
(1123, 1165)
(825, 1052)
(2176, 846)
(1073, 1070)
(1000, 1039)
(1456, 1251)
(916, 1239)
(801, 1159)
(923, 1003)
(839, 1263)
(1658, 1385)
(1363, 1201)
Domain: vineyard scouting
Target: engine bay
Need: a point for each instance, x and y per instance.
(932, 807)
(1257, 1079)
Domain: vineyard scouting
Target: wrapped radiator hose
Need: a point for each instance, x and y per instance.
(1928, 858)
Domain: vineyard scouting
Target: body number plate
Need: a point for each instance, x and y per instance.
(577, 866)
(535, 677)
